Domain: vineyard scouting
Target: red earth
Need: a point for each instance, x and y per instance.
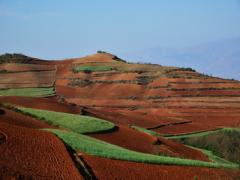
(26, 156)
(167, 100)
(114, 169)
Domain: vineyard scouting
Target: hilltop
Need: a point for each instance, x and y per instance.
(106, 118)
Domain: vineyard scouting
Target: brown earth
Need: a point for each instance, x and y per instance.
(34, 154)
(167, 100)
(41, 103)
(114, 169)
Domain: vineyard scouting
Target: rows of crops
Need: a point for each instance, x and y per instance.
(28, 92)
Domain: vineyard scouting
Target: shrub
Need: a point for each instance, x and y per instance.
(14, 58)
(101, 51)
(188, 69)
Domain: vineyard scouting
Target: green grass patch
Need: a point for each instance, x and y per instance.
(76, 123)
(96, 147)
(77, 69)
(28, 92)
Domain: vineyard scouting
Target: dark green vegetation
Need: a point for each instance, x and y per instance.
(224, 143)
(15, 58)
(28, 92)
(3, 71)
(89, 69)
(188, 69)
(75, 123)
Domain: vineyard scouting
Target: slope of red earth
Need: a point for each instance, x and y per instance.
(158, 98)
(115, 169)
(119, 118)
(128, 138)
(19, 119)
(137, 141)
(34, 154)
(41, 103)
(27, 79)
(25, 67)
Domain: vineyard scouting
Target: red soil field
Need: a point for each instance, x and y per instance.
(157, 101)
(95, 58)
(185, 128)
(115, 169)
(97, 90)
(41, 103)
(28, 85)
(23, 79)
(128, 138)
(165, 81)
(19, 119)
(122, 119)
(34, 154)
(124, 103)
(205, 85)
(26, 67)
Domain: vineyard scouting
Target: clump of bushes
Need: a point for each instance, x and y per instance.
(3, 71)
(101, 52)
(80, 82)
(144, 80)
(188, 69)
(14, 58)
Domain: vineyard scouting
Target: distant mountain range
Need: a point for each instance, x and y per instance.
(219, 58)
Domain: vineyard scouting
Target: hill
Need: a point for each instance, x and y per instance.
(105, 118)
(219, 58)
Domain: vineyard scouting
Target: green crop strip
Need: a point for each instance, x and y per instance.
(199, 134)
(77, 69)
(75, 123)
(28, 92)
(96, 147)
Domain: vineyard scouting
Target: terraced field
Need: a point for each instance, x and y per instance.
(136, 120)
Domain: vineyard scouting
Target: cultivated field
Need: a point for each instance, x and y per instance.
(100, 117)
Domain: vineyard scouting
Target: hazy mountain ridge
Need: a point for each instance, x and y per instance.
(219, 58)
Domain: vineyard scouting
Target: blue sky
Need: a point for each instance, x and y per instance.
(55, 29)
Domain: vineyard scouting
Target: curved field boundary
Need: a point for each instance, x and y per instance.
(212, 156)
(28, 92)
(96, 147)
(147, 131)
(208, 153)
(198, 134)
(75, 123)
(187, 135)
